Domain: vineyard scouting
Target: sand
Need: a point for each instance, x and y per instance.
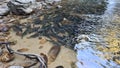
(65, 58)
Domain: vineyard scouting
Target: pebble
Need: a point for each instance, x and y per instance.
(4, 28)
(42, 40)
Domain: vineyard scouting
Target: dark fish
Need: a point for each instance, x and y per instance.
(17, 28)
(35, 29)
(37, 21)
(58, 19)
(53, 53)
(23, 50)
(28, 29)
(34, 35)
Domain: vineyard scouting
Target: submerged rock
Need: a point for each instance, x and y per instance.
(4, 28)
(4, 10)
(23, 7)
(6, 57)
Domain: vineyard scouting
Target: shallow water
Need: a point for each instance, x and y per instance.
(102, 50)
(98, 22)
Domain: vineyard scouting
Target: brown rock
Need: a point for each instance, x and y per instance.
(6, 57)
(42, 40)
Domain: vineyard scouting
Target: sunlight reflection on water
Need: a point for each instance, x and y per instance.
(89, 57)
(87, 54)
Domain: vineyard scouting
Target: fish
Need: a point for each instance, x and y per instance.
(17, 28)
(37, 21)
(23, 50)
(34, 35)
(28, 29)
(53, 53)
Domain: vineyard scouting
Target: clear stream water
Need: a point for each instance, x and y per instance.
(102, 49)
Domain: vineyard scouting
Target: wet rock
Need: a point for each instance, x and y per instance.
(6, 57)
(4, 10)
(15, 67)
(3, 28)
(23, 7)
(53, 53)
(42, 40)
(82, 38)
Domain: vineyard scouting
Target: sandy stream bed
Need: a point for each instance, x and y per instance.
(65, 58)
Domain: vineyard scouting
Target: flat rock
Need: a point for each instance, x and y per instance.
(4, 10)
(23, 7)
